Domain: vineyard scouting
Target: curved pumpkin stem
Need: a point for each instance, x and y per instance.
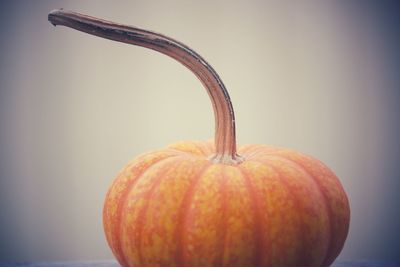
(225, 139)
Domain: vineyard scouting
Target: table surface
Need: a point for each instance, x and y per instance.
(112, 263)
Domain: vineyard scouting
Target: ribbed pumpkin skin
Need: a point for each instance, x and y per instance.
(174, 207)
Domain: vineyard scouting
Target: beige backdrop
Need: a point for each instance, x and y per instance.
(316, 76)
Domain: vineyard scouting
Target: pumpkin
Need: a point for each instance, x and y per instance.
(212, 204)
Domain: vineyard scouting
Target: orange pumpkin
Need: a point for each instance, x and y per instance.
(203, 204)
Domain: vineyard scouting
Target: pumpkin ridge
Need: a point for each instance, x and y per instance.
(182, 219)
(326, 258)
(258, 226)
(144, 212)
(302, 261)
(116, 228)
(125, 201)
(224, 222)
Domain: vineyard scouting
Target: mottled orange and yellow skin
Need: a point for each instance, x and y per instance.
(277, 208)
